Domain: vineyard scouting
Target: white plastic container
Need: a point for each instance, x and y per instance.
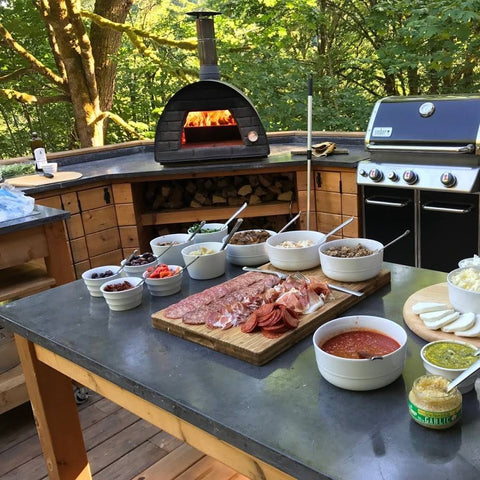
(210, 236)
(463, 300)
(248, 255)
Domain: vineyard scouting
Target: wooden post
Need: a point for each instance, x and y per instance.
(56, 416)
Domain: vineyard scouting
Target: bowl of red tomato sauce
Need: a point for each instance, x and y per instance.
(360, 352)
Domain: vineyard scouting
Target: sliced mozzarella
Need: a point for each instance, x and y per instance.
(431, 316)
(436, 324)
(473, 331)
(424, 307)
(464, 322)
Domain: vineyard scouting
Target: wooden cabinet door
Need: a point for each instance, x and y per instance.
(95, 198)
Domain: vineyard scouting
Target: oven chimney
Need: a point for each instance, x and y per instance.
(207, 49)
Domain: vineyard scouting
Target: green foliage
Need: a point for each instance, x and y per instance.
(356, 50)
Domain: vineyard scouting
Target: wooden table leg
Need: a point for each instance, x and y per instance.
(59, 261)
(56, 416)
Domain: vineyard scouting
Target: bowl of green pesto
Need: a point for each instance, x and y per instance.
(449, 358)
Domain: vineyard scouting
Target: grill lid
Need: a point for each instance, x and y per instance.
(425, 125)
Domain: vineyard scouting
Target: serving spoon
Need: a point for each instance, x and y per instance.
(120, 270)
(290, 222)
(241, 209)
(230, 235)
(339, 227)
(472, 370)
(404, 234)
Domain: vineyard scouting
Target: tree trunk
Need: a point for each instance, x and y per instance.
(74, 48)
(105, 44)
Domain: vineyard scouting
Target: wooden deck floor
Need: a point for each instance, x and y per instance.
(120, 446)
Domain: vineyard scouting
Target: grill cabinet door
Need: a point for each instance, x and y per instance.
(448, 229)
(388, 213)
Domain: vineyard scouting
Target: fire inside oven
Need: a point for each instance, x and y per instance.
(210, 126)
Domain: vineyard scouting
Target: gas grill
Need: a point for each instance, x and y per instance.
(424, 175)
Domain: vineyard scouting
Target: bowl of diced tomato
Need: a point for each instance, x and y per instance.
(164, 279)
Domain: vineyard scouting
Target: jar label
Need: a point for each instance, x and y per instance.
(434, 418)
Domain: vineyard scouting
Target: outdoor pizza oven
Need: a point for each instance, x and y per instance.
(209, 119)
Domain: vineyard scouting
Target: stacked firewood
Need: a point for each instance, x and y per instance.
(223, 191)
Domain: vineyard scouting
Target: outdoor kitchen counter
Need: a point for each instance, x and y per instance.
(283, 413)
(139, 163)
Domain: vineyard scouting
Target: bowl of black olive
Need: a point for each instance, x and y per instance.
(95, 277)
(136, 265)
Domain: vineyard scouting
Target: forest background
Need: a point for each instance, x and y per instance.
(79, 80)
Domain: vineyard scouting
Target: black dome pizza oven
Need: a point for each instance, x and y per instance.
(209, 119)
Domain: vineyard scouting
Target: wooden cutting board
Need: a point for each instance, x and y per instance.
(254, 347)
(434, 293)
(39, 180)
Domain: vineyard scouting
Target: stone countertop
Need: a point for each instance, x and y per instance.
(39, 216)
(138, 162)
(284, 412)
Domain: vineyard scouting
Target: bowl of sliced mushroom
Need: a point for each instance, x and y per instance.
(248, 247)
(351, 259)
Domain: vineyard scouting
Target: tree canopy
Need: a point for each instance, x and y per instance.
(85, 72)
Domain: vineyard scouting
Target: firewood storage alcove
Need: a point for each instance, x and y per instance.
(168, 205)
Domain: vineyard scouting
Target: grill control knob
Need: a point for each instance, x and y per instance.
(448, 179)
(375, 174)
(363, 173)
(392, 176)
(410, 177)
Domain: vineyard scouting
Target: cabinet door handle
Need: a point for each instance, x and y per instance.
(432, 208)
(387, 204)
(106, 195)
(318, 180)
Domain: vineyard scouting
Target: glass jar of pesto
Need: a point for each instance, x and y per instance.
(430, 405)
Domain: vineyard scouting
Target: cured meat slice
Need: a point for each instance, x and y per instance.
(250, 324)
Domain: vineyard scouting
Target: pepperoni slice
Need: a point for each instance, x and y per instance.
(271, 335)
(290, 320)
(250, 325)
(265, 309)
(279, 328)
(266, 319)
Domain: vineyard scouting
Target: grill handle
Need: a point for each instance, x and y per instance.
(470, 148)
(387, 204)
(431, 208)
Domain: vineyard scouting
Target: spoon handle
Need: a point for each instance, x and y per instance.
(243, 207)
(339, 227)
(290, 222)
(230, 235)
(472, 370)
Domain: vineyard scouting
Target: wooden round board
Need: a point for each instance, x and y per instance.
(37, 180)
(434, 293)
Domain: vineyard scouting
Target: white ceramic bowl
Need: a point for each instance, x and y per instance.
(360, 374)
(470, 262)
(461, 299)
(174, 254)
(206, 266)
(94, 284)
(248, 255)
(125, 299)
(212, 236)
(50, 167)
(450, 373)
(294, 258)
(356, 269)
(138, 270)
(161, 287)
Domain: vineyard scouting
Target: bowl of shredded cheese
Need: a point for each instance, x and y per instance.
(464, 289)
